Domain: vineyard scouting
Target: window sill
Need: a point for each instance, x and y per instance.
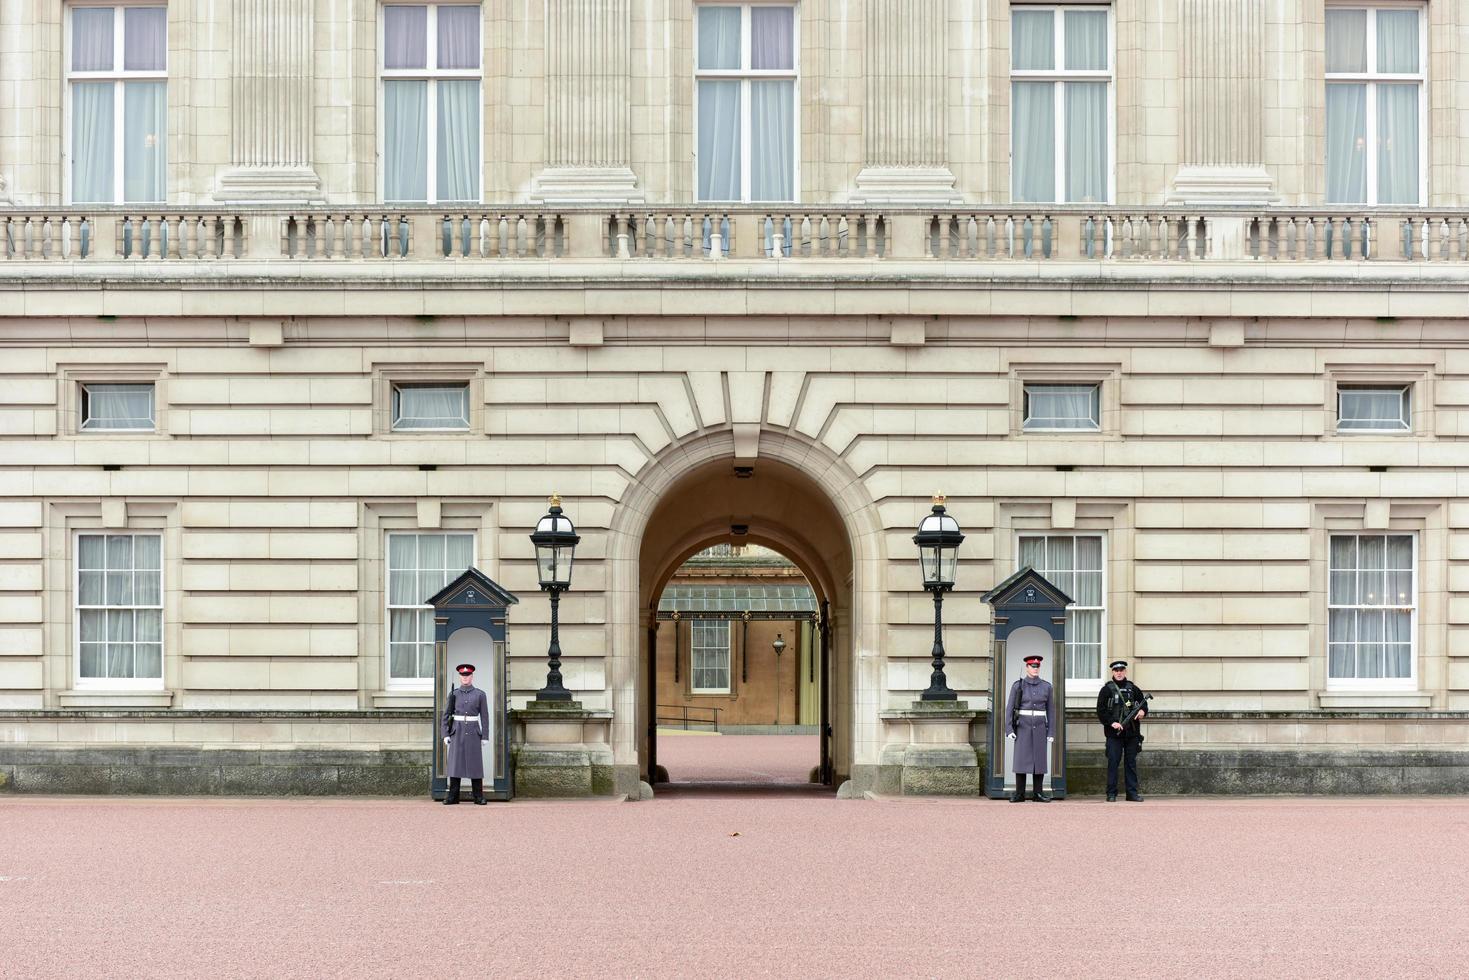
(116, 699)
(403, 699)
(1405, 700)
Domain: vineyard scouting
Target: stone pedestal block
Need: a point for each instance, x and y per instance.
(561, 750)
(928, 751)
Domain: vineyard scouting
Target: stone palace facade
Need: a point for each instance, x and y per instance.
(310, 304)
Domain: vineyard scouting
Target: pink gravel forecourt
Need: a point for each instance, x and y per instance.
(732, 877)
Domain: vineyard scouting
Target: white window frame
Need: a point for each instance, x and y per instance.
(1405, 420)
(391, 682)
(1060, 75)
(1371, 78)
(1375, 684)
(433, 75)
(1096, 402)
(745, 75)
(1078, 685)
(117, 76)
(84, 398)
(81, 683)
(394, 397)
(695, 649)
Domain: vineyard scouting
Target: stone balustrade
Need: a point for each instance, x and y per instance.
(745, 233)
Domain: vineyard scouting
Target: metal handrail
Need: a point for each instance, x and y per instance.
(683, 718)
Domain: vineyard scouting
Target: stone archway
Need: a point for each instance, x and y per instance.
(801, 500)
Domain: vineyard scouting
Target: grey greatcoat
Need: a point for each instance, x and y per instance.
(465, 758)
(1032, 753)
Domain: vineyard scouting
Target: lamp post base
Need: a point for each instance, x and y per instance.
(562, 750)
(927, 751)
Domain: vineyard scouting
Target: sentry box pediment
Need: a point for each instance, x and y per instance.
(472, 590)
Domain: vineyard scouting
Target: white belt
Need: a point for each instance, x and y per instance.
(473, 718)
(1028, 711)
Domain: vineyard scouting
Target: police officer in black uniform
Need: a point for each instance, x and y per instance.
(1116, 701)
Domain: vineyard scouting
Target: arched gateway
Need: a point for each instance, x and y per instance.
(782, 491)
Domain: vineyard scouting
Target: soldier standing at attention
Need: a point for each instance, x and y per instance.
(466, 730)
(1116, 702)
(1030, 718)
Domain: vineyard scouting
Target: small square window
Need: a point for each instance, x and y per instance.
(1062, 407)
(1373, 409)
(126, 407)
(430, 407)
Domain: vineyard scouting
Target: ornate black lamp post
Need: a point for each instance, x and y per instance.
(555, 539)
(938, 541)
(779, 646)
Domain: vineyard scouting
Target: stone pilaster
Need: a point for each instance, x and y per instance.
(588, 63)
(905, 127)
(271, 103)
(1221, 61)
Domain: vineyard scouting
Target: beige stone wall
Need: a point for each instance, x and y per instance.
(1150, 94)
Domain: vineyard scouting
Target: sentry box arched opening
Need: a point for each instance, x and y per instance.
(469, 627)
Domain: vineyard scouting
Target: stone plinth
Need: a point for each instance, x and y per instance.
(561, 750)
(927, 751)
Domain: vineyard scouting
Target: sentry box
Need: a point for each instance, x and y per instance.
(469, 627)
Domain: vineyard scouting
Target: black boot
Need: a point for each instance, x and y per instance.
(478, 788)
(1019, 796)
(1040, 795)
(452, 797)
(1134, 797)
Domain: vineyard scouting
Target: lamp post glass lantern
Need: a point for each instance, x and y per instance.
(938, 541)
(555, 540)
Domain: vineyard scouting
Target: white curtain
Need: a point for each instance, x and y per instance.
(772, 38)
(458, 554)
(772, 141)
(145, 38)
(1397, 654)
(1033, 554)
(431, 408)
(405, 140)
(1033, 141)
(1062, 406)
(92, 172)
(459, 140)
(1346, 144)
(1088, 590)
(91, 38)
(1060, 564)
(1084, 644)
(144, 151)
(1370, 409)
(120, 643)
(719, 140)
(118, 407)
(459, 45)
(1346, 40)
(1033, 40)
(1343, 560)
(1086, 141)
(719, 37)
(1397, 41)
(148, 654)
(1086, 40)
(405, 36)
(1397, 144)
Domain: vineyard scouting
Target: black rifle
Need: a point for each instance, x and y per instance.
(1131, 715)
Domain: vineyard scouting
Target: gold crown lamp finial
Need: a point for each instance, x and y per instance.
(555, 500)
(938, 499)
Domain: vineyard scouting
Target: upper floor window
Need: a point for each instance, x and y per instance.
(1371, 605)
(709, 656)
(1373, 409)
(419, 565)
(431, 75)
(430, 407)
(119, 610)
(1073, 563)
(1374, 105)
(1056, 406)
(746, 74)
(117, 406)
(1060, 103)
(117, 94)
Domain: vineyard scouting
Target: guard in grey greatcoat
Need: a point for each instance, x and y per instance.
(1030, 717)
(466, 730)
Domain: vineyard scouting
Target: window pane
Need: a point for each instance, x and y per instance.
(145, 38)
(1033, 141)
(147, 551)
(117, 406)
(426, 661)
(772, 38)
(459, 45)
(90, 589)
(405, 37)
(148, 588)
(144, 149)
(772, 142)
(1346, 144)
(1397, 41)
(405, 140)
(148, 660)
(1397, 144)
(1372, 408)
(120, 626)
(94, 660)
(91, 38)
(1033, 553)
(459, 140)
(1061, 407)
(1346, 40)
(458, 552)
(149, 625)
(1089, 553)
(120, 660)
(719, 37)
(92, 146)
(719, 140)
(403, 626)
(440, 407)
(1033, 39)
(403, 660)
(91, 551)
(1086, 141)
(431, 551)
(91, 623)
(119, 552)
(1086, 40)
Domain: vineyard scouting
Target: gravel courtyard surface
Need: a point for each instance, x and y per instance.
(723, 882)
(737, 758)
